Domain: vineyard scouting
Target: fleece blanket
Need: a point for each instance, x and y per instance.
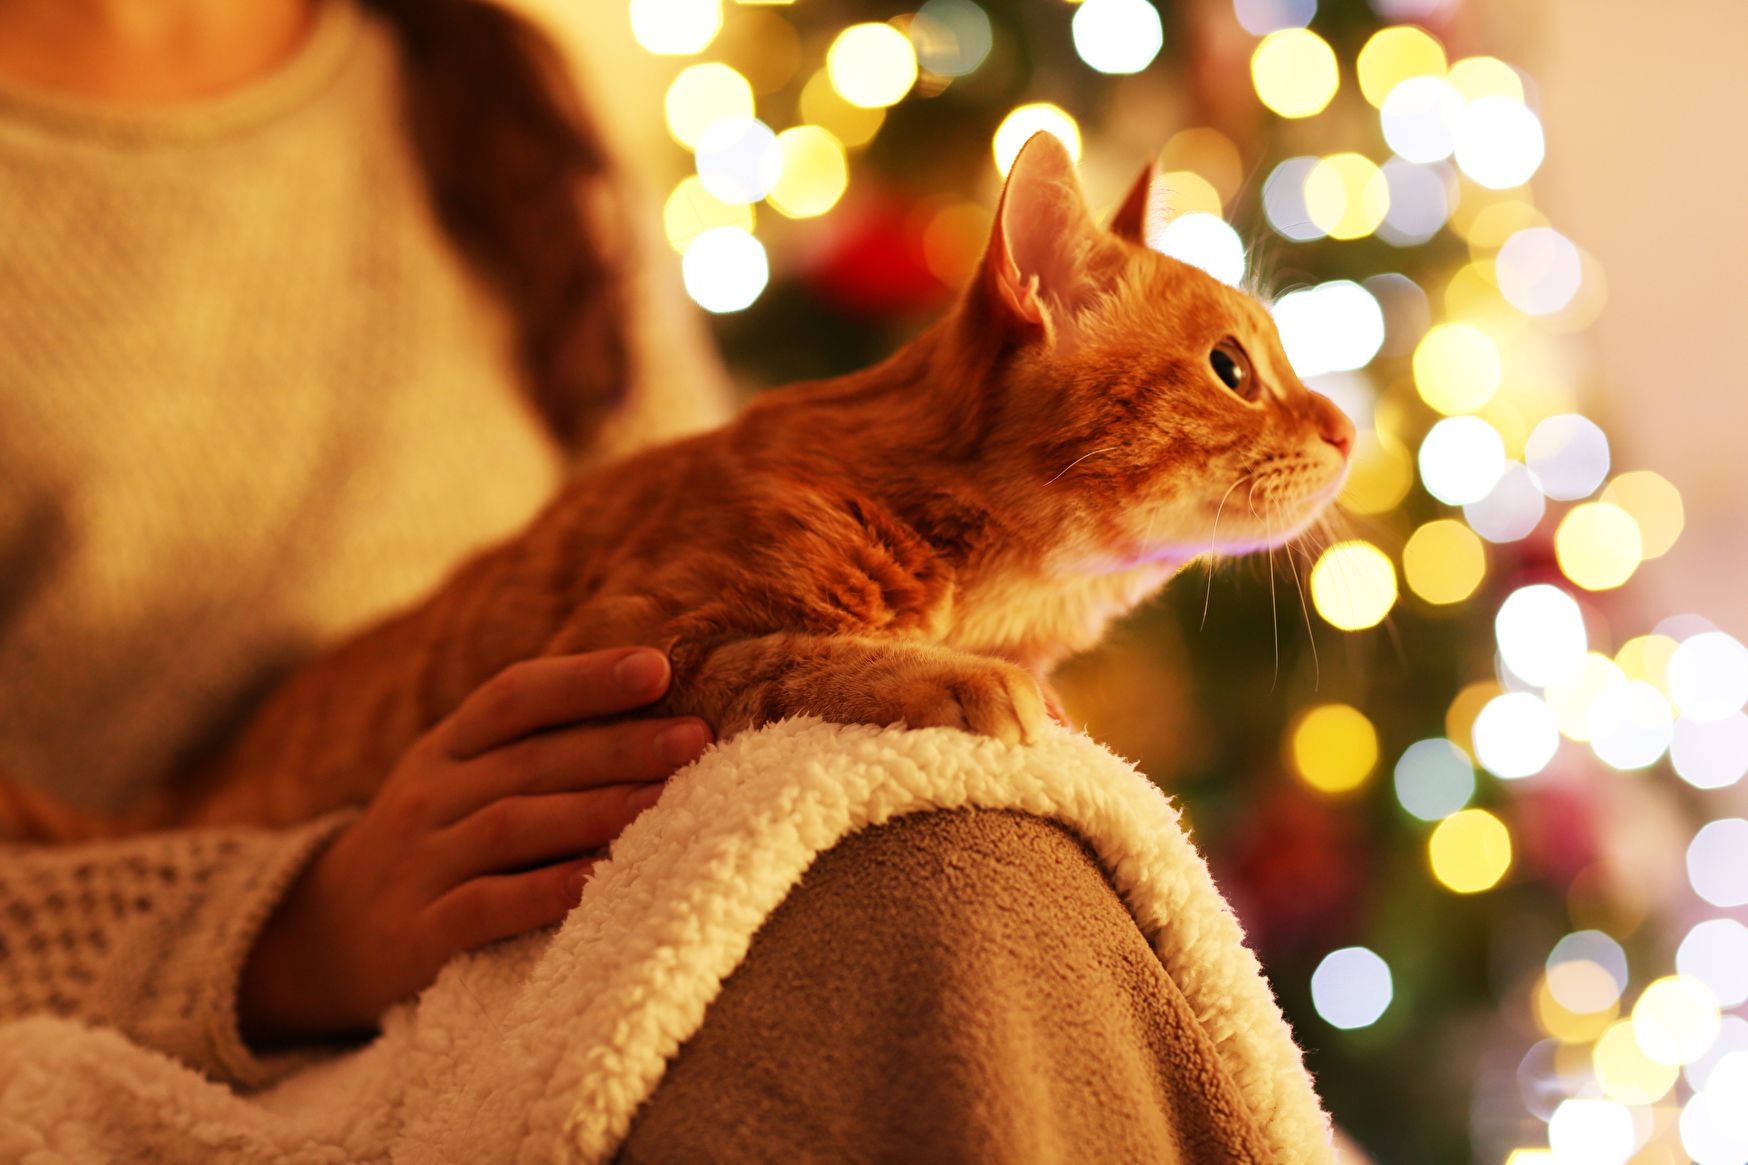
(541, 1049)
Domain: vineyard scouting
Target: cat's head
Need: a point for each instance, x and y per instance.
(1143, 409)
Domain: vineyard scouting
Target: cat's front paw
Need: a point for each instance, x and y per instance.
(985, 696)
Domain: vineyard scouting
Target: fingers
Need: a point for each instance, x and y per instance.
(487, 909)
(538, 694)
(516, 833)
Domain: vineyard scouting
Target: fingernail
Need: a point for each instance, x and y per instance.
(680, 744)
(641, 673)
(579, 878)
(643, 798)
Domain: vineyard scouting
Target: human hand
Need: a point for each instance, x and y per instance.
(483, 830)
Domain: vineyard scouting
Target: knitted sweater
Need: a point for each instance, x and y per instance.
(249, 400)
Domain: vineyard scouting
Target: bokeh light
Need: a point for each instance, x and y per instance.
(739, 159)
(1186, 192)
(1598, 546)
(1419, 119)
(725, 269)
(1732, 1039)
(1587, 971)
(822, 105)
(1353, 585)
(1538, 271)
(691, 210)
(872, 65)
(1478, 77)
(1334, 748)
(1626, 1073)
(1713, 1131)
(1496, 221)
(761, 46)
(951, 37)
(1203, 240)
(1283, 200)
(1261, 17)
(1117, 36)
(1347, 196)
(1027, 120)
(1715, 952)
(1567, 456)
(1470, 851)
(1443, 561)
(1461, 459)
(675, 27)
(1379, 474)
(1394, 55)
(1294, 72)
(1646, 657)
(1465, 708)
(1351, 392)
(1541, 634)
(1420, 202)
(1710, 754)
(1351, 988)
(1210, 154)
(954, 240)
(1571, 698)
(1569, 1027)
(1434, 779)
(1591, 1132)
(815, 172)
(1512, 509)
(1676, 1020)
(1329, 328)
(1499, 142)
(1654, 504)
(1515, 736)
(702, 94)
(1717, 862)
(1457, 369)
(1630, 725)
(1707, 676)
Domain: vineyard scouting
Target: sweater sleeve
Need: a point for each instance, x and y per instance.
(148, 935)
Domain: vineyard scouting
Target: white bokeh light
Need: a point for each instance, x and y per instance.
(1461, 459)
(1261, 17)
(1499, 142)
(739, 160)
(1591, 946)
(1351, 987)
(1017, 128)
(1717, 862)
(725, 269)
(1420, 119)
(1711, 1134)
(1203, 240)
(1707, 677)
(1283, 200)
(1716, 953)
(1710, 754)
(1351, 392)
(1117, 36)
(1567, 456)
(1541, 634)
(1434, 779)
(675, 27)
(1515, 736)
(951, 37)
(1332, 327)
(1420, 202)
(1630, 725)
(1512, 508)
(1732, 1037)
(1538, 271)
(1591, 1132)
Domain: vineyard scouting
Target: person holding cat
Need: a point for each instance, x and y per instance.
(306, 299)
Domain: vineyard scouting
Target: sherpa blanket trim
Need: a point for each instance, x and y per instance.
(540, 1050)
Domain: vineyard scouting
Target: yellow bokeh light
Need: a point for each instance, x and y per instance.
(675, 27)
(1530, 1157)
(1569, 1027)
(1460, 716)
(1598, 546)
(1394, 55)
(1470, 851)
(821, 105)
(1017, 127)
(1353, 585)
(1444, 561)
(1645, 659)
(1478, 77)
(761, 46)
(1472, 297)
(1508, 421)
(1676, 1019)
(872, 65)
(815, 172)
(702, 94)
(1333, 748)
(1654, 504)
(1187, 192)
(953, 241)
(1380, 472)
(691, 210)
(1571, 699)
(1457, 368)
(1209, 153)
(1294, 72)
(1497, 222)
(1346, 196)
(1625, 1072)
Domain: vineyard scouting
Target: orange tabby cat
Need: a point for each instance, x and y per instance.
(919, 542)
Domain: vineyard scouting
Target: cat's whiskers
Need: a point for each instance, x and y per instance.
(1078, 460)
(1274, 609)
(1213, 538)
(1310, 632)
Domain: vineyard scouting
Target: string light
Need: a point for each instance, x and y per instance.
(1443, 562)
(725, 269)
(1394, 55)
(1333, 748)
(691, 210)
(1117, 36)
(1351, 988)
(702, 94)
(1294, 72)
(1655, 506)
(675, 27)
(1461, 460)
(872, 65)
(1329, 328)
(1457, 369)
(951, 37)
(815, 172)
(1470, 851)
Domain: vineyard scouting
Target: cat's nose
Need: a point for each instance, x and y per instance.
(1333, 425)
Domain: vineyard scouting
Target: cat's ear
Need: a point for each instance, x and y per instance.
(1044, 237)
(1131, 220)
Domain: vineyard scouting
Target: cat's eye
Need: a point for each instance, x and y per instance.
(1232, 366)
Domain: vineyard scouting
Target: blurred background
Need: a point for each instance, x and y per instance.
(1468, 764)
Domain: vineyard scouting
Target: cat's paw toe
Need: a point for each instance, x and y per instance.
(990, 698)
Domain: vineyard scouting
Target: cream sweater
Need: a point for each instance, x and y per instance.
(249, 400)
